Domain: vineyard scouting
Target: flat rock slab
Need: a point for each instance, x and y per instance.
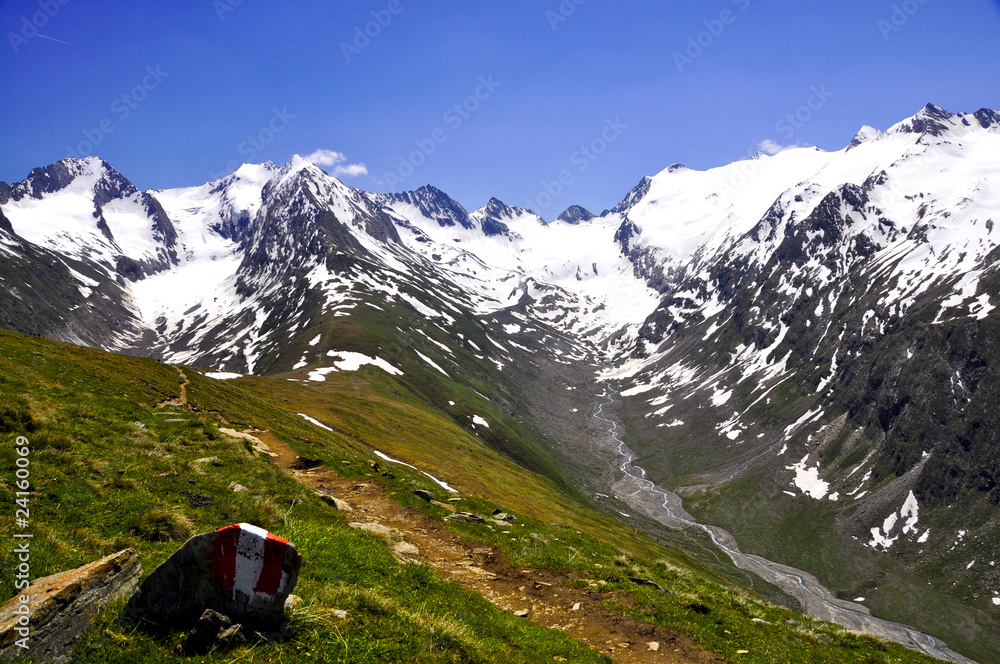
(61, 607)
(240, 571)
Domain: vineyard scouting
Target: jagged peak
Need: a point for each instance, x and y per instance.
(637, 193)
(494, 217)
(574, 215)
(931, 120)
(935, 121)
(434, 204)
(294, 170)
(500, 211)
(497, 209)
(78, 174)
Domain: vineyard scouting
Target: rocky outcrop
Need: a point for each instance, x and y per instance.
(60, 608)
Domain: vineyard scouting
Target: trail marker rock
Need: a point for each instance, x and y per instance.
(241, 571)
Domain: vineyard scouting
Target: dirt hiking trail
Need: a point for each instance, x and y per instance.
(547, 598)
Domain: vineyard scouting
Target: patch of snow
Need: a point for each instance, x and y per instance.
(388, 458)
(319, 375)
(807, 479)
(314, 421)
(638, 389)
(424, 309)
(224, 375)
(805, 419)
(721, 397)
(434, 364)
(480, 421)
(909, 512)
(316, 340)
(881, 541)
(353, 361)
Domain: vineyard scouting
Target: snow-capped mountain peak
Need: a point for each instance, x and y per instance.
(428, 202)
(498, 218)
(864, 135)
(86, 209)
(938, 123)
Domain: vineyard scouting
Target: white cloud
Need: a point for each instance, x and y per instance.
(332, 158)
(772, 147)
(350, 171)
(326, 158)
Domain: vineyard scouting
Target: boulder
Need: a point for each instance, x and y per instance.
(254, 445)
(334, 502)
(384, 533)
(201, 639)
(404, 549)
(213, 632)
(425, 495)
(61, 607)
(465, 517)
(240, 571)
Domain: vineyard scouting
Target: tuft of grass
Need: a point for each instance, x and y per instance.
(164, 525)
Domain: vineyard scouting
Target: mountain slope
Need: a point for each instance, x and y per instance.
(117, 459)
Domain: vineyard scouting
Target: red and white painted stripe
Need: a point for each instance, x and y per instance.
(249, 559)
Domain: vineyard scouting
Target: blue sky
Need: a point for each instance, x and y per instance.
(594, 93)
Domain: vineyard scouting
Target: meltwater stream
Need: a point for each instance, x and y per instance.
(817, 601)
